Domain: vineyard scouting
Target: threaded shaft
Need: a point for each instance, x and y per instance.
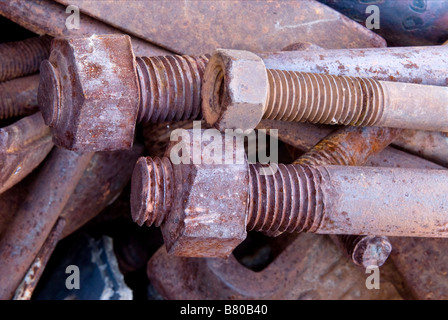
(366, 251)
(353, 146)
(325, 99)
(170, 87)
(332, 153)
(290, 200)
(23, 57)
(152, 190)
(18, 97)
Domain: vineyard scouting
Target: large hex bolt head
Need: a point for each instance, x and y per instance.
(200, 206)
(89, 93)
(234, 90)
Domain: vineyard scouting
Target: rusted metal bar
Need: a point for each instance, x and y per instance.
(422, 65)
(37, 215)
(197, 27)
(23, 146)
(304, 136)
(48, 17)
(349, 146)
(11, 199)
(22, 58)
(18, 97)
(29, 282)
(308, 97)
(429, 145)
(347, 200)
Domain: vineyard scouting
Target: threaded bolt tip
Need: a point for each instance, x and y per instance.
(151, 190)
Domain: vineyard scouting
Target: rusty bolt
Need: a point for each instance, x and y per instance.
(21, 58)
(238, 91)
(176, 80)
(205, 209)
(93, 91)
(18, 97)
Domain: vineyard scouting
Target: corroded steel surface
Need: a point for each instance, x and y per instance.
(234, 90)
(29, 282)
(255, 25)
(11, 199)
(429, 145)
(340, 200)
(349, 146)
(304, 136)
(100, 90)
(18, 97)
(47, 17)
(36, 216)
(23, 146)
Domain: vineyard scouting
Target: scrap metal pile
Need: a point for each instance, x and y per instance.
(96, 111)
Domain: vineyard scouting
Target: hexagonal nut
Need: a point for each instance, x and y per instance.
(208, 213)
(234, 90)
(89, 92)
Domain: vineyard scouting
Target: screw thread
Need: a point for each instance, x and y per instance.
(18, 97)
(8, 107)
(152, 190)
(325, 99)
(289, 200)
(343, 148)
(170, 87)
(333, 153)
(23, 57)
